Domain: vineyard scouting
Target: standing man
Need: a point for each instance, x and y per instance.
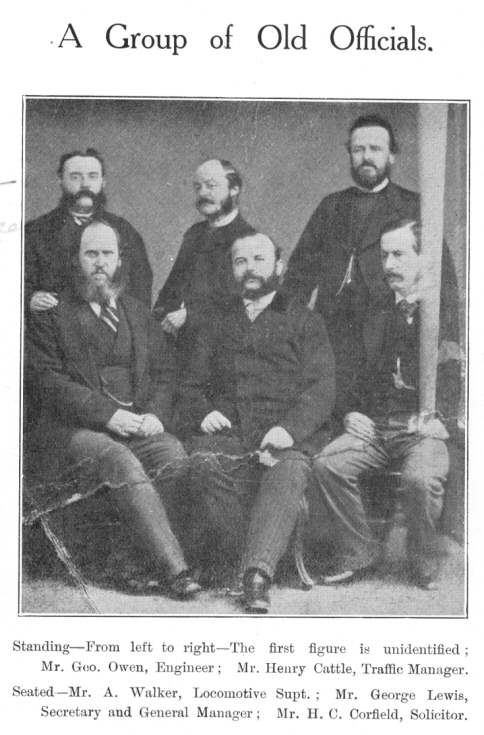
(106, 378)
(48, 238)
(384, 425)
(201, 282)
(339, 250)
(260, 378)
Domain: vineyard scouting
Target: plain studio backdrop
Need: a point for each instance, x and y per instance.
(290, 153)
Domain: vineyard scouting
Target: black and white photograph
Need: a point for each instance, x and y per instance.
(244, 362)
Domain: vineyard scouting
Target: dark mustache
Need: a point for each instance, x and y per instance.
(85, 193)
(204, 200)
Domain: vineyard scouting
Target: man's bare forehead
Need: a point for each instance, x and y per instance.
(83, 165)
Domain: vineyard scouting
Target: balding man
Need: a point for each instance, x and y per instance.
(261, 377)
(201, 279)
(105, 378)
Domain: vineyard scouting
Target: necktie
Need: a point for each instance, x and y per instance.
(408, 308)
(109, 315)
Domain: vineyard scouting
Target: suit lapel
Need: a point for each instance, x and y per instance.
(73, 318)
(139, 333)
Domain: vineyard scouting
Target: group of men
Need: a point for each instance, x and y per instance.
(272, 401)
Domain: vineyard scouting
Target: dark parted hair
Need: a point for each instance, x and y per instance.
(415, 227)
(369, 121)
(88, 153)
(233, 175)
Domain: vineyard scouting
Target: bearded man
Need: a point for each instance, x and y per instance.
(201, 281)
(260, 379)
(48, 238)
(105, 378)
(339, 251)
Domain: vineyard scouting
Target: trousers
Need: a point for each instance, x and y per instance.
(423, 462)
(249, 511)
(141, 473)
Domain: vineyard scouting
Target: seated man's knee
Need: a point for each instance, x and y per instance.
(173, 446)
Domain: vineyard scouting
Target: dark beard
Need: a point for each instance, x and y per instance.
(227, 205)
(367, 182)
(267, 285)
(70, 201)
(89, 291)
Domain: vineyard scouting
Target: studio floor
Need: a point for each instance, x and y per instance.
(387, 593)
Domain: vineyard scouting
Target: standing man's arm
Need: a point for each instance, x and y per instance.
(140, 273)
(304, 267)
(172, 295)
(36, 298)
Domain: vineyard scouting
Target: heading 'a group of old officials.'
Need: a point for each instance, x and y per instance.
(170, 408)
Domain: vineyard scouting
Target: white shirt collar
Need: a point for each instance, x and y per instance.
(411, 298)
(96, 307)
(226, 219)
(377, 188)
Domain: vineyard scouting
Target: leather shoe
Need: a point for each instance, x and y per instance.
(183, 586)
(256, 591)
(424, 575)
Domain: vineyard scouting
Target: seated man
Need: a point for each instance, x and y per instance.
(260, 378)
(106, 379)
(387, 425)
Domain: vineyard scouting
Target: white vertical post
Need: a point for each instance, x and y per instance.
(432, 154)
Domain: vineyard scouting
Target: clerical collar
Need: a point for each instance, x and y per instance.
(226, 219)
(377, 188)
(96, 306)
(254, 307)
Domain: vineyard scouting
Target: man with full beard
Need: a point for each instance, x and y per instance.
(339, 250)
(106, 377)
(201, 282)
(48, 238)
(260, 378)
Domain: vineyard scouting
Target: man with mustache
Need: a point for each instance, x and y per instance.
(201, 282)
(106, 380)
(48, 238)
(384, 424)
(260, 378)
(339, 250)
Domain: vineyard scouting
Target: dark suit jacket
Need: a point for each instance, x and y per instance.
(69, 385)
(277, 370)
(202, 273)
(47, 254)
(321, 256)
(374, 388)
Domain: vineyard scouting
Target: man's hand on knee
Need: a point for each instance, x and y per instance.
(124, 423)
(150, 425)
(360, 426)
(277, 438)
(215, 421)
